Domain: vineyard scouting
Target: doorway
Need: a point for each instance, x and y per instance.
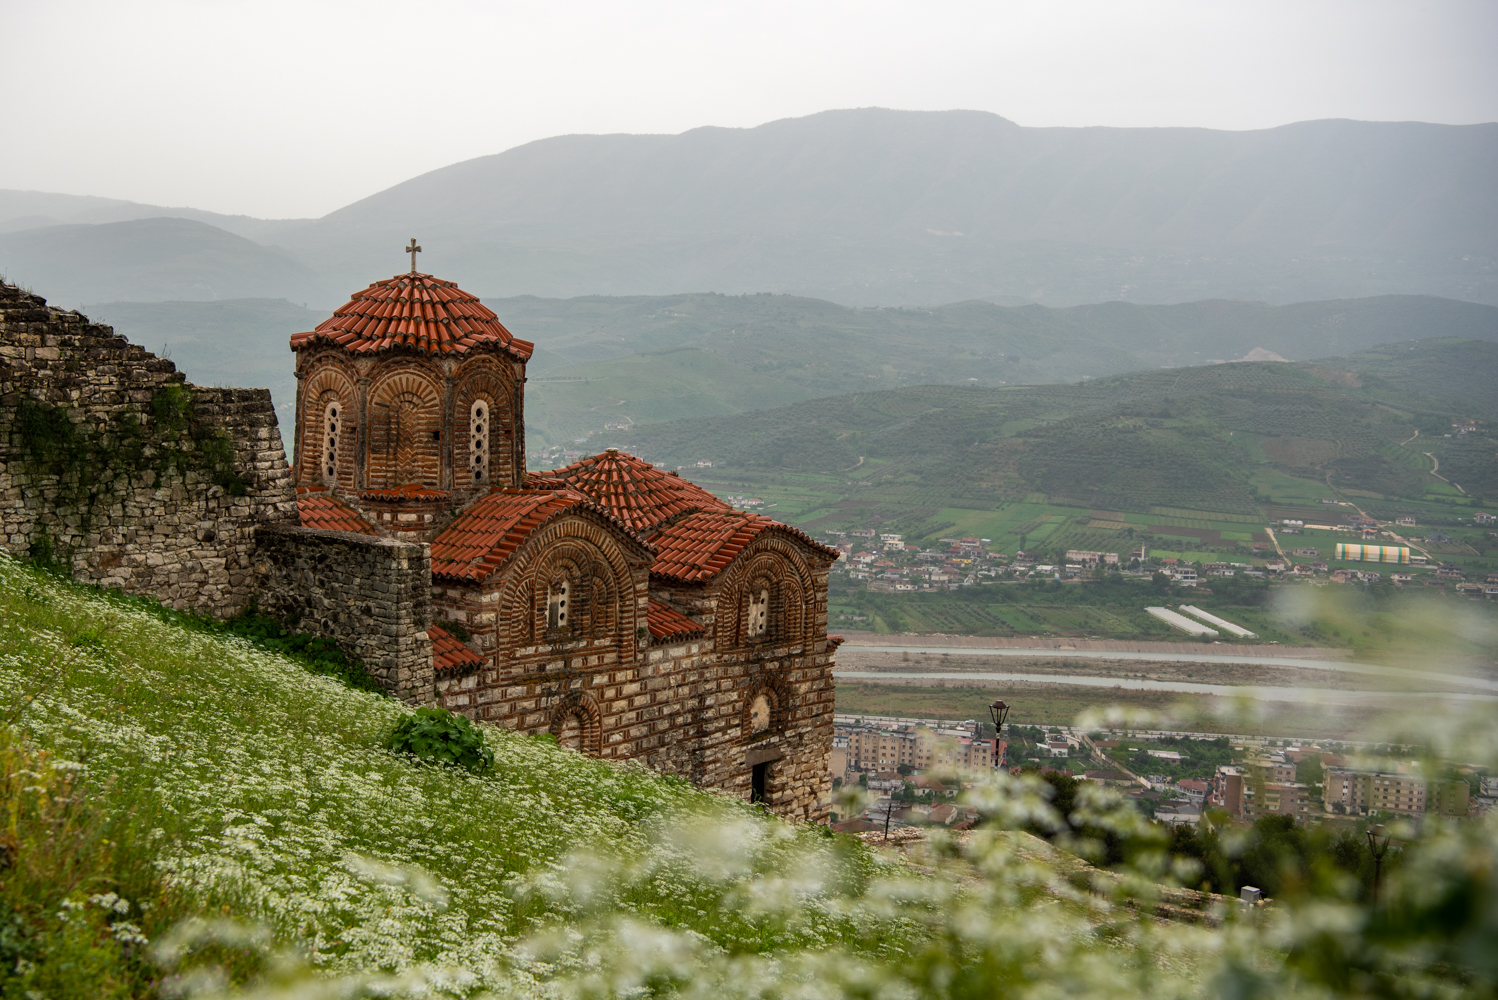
(759, 781)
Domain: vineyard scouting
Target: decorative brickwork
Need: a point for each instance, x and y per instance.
(112, 464)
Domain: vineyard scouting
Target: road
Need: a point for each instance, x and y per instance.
(1435, 470)
(1338, 666)
(1295, 695)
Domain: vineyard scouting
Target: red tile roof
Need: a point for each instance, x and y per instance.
(417, 311)
(404, 493)
(317, 508)
(700, 545)
(449, 656)
(834, 641)
(638, 493)
(482, 537)
(666, 624)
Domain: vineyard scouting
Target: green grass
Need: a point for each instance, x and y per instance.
(150, 759)
(271, 797)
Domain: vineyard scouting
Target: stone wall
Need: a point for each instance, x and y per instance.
(373, 596)
(116, 468)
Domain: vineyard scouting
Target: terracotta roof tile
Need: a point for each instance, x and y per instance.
(488, 531)
(700, 545)
(317, 508)
(834, 641)
(666, 624)
(449, 656)
(638, 493)
(416, 311)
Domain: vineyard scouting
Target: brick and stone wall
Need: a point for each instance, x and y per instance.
(683, 708)
(112, 465)
(373, 596)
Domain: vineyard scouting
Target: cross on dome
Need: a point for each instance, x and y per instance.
(413, 250)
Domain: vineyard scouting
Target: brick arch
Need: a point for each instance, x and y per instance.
(593, 559)
(485, 380)
(773, 689)
(405, 423)
(329, 382)
(772, 564)
(577, 723)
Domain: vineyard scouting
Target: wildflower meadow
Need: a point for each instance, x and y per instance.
(188, 814)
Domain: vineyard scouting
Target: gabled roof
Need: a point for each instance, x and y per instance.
(666, 624)
(449, 656)
(636, 492)
(317, 508)
(487, 533)
(415, 311)
(700, 545)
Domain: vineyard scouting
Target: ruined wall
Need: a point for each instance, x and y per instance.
(373, 596)
(113, 466)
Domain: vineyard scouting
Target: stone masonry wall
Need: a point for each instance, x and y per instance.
(111, 464)
(373, 596)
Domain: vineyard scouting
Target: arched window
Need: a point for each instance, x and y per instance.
(759, 614)
(331, 423)
(478, 441)
(556, 604)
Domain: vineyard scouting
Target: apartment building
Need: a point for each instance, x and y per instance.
(873, 747)
(1398, 792)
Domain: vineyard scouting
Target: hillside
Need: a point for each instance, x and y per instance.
(626, 360)
(37, 209)
(1222, 438)
(878, 207)
(146, 260)
(187, 814)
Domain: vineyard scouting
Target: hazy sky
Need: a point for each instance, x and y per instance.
(294, 109)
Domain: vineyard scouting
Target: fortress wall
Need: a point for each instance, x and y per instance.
(112, 466)
(373, 596)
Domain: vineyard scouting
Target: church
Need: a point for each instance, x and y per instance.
(614, 604)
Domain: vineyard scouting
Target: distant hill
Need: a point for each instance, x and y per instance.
(1203, 438)
(37, 209)
(637, 360)
(146, 260)
(873, 206)
(803, 348)
(880, 207)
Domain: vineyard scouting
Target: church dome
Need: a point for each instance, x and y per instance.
(414, 311)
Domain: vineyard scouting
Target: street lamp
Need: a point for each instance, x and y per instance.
(1377, 850)
(999, 712)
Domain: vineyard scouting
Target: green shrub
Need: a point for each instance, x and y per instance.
(319, 655)
(436, 734)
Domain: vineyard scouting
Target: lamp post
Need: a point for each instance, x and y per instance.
(999, 712)
(1377, 850)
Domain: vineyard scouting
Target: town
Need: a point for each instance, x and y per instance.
(915, 769)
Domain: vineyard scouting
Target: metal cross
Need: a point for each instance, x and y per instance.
(413, 250)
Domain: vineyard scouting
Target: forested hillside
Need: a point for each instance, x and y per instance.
(1203, 438)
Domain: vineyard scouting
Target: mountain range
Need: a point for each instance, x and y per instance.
(860, 207)
(602, 362)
